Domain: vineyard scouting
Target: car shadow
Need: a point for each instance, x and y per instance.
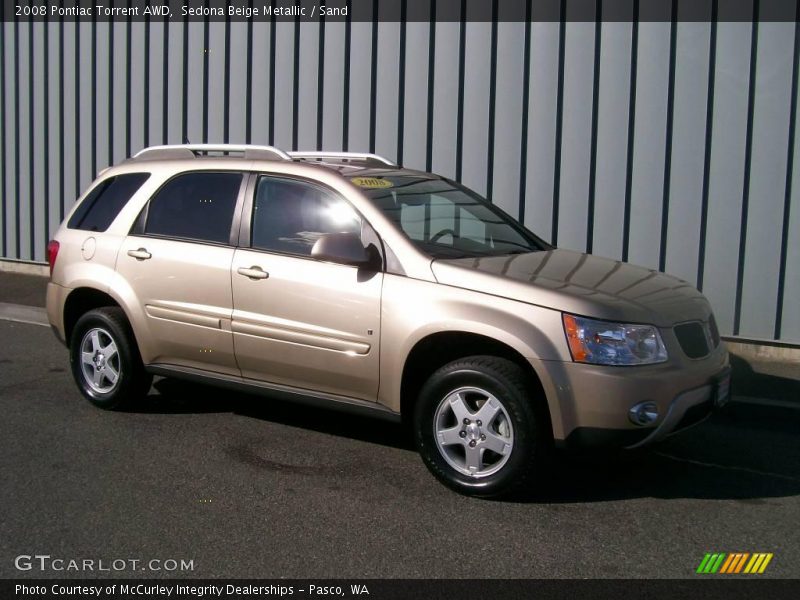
(744, 452)
(173, 396)
(746, 381)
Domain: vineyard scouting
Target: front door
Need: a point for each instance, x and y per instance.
(298, 321)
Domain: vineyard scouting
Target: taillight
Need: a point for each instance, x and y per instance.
(52, 253)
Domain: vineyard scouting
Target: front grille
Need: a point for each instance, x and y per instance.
(693, 339)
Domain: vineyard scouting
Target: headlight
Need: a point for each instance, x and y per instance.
(607, 343)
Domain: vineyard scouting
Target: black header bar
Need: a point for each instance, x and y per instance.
(389, 10)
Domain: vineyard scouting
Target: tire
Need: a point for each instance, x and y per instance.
(480, 429)
(105, 359)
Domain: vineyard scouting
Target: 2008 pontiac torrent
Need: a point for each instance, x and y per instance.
(343, 280)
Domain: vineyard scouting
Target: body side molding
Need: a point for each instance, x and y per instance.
(284, 392)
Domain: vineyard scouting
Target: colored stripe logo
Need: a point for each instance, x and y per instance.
(735, 563)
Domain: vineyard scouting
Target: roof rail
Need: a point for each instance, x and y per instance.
(195, 150)
(340, 157)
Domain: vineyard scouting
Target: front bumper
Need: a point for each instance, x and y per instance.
(691, 407)
(594, 401)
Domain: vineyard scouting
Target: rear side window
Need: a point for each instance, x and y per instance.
(104, 202)
(196, 206)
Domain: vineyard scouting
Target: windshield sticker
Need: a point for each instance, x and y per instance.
(371, 182)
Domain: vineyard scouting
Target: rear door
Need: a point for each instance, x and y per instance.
(299, 321)
(177, 261)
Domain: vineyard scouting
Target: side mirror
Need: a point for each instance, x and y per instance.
(342, 248)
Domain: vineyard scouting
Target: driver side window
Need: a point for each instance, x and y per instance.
(289, 216)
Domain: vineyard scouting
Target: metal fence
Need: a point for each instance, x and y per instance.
(668, 144)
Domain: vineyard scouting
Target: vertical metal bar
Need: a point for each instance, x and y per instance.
(559, 122)
(673, 30)
(526, 91)
(206, 82)
(296, 83)
(626, 218)
(271, 116)
(185, 87)
(61, 148)
(373, 77)
(462, 42)
(598, 32)
(31, 148)
(77, 59)
(46, 127)
(146, 103)
(226, 77)
(3, 123)
(431, 69)
(748, 156)
(346, 82)
(248, 100)
(110, 98)
(787, 196)
(17, 165)
(320, 81)
(712, 74)
(401, 78)
(128, 86)
(492, 104)
(165, 86)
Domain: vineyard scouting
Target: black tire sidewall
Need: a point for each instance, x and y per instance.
(103, 318)
(441, 384)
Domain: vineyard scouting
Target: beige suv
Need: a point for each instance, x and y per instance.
(343, 280)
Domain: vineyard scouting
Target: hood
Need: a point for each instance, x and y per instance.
(579, 283)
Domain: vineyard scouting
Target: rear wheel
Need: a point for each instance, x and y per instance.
(105, 359)
(478, 428)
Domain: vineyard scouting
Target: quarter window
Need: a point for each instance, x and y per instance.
(104, 202)
(289, 216)
(196, 206)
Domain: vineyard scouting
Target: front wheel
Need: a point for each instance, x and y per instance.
(478, 428)
(105, 359)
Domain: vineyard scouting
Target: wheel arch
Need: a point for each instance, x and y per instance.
(85, 298)
(440, 348)
(80, 301)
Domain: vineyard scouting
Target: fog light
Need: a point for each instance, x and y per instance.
(643, 413)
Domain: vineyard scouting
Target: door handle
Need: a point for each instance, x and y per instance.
(140, 254)
(254, 272)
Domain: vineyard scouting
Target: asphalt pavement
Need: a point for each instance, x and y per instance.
(246, 486)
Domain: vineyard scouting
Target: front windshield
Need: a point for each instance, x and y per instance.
(446, 220)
